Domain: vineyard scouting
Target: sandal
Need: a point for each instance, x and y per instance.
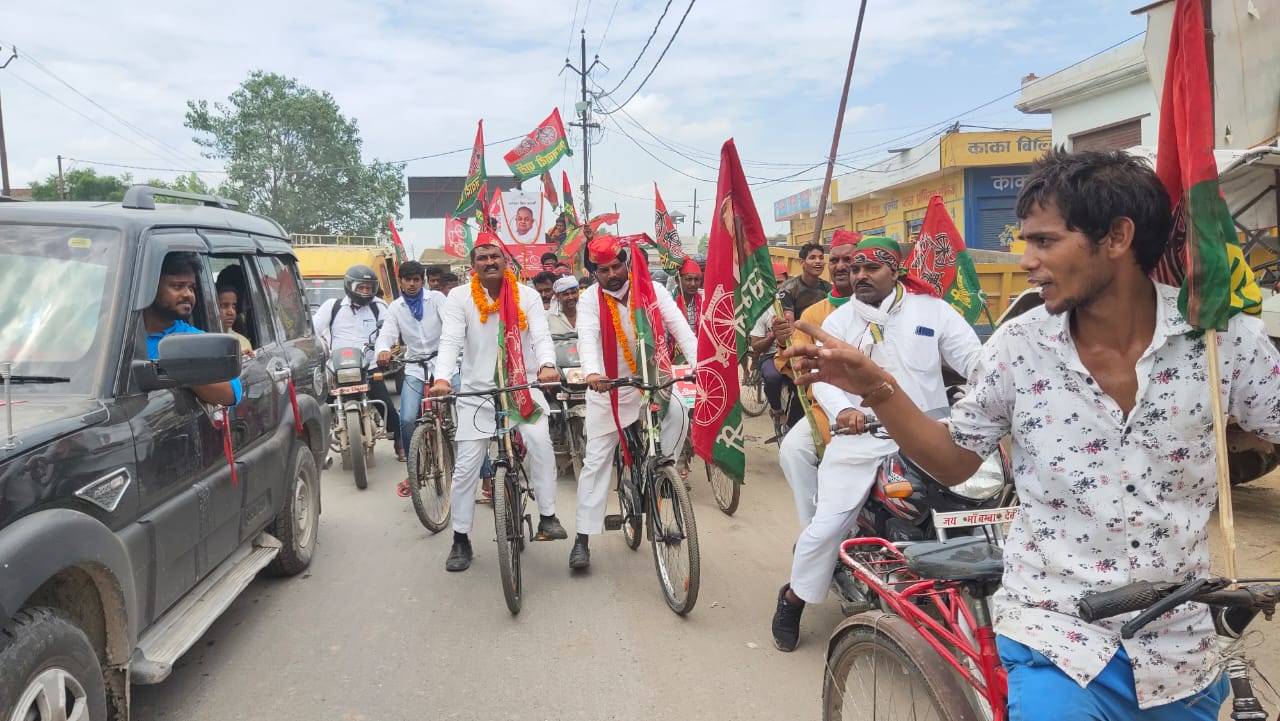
(486, 492)
(402, 489)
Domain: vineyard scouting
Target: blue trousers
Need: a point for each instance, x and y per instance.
(1040, 691)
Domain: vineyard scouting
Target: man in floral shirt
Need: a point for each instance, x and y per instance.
(1103, 392)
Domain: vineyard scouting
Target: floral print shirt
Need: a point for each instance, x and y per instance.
(1108, 499)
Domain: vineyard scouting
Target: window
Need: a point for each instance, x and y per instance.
(280, 277)
(251, 319)
(1118, 136)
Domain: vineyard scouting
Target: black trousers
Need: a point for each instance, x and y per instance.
(378, 392)
(774, 382)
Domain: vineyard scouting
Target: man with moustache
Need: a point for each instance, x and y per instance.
(913, 334)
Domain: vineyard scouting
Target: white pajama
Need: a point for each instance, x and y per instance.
(539, 463)
(595, 483)
(799, 461)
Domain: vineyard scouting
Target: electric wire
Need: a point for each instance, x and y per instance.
(657, 62)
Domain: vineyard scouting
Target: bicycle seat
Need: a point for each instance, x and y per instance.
(972, 559)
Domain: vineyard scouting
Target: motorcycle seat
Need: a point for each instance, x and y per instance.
(970, 559)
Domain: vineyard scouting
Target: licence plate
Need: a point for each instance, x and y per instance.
(343, 390)
(967, 519)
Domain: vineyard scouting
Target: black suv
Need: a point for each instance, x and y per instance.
(131, 514)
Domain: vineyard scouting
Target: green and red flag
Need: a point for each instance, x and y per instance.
(510, 370)
(651, 336)
(401, 254)
(476, 177)
(1203, 255)
(539, 150)
(570, 214)
(668, 238)
(940, 266)
(739, 288)
(549, 189)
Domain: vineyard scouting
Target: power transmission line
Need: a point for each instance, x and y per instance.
(607, 25)
(642, 50)
(659, 60)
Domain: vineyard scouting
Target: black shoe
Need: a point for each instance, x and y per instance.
(786, 622)
(580, 556)
(459, 557)
(549, 529)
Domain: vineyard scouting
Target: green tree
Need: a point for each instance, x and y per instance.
(190, 183)
(292, 156)
(83, 184)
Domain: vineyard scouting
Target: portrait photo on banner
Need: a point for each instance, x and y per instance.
(524, 216)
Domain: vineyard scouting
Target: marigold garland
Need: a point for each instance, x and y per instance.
(487, 307)
(616, 318)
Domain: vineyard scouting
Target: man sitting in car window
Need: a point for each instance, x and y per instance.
(169, 312)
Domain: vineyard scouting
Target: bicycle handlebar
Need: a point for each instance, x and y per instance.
(637, 383)
(498, 391)
(1155, 599)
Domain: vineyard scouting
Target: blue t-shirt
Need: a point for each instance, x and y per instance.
(153, 349)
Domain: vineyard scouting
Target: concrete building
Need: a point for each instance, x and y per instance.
(1103, 103)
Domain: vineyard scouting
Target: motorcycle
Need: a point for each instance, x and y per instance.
(359, 421)
(568, 406)
(907, 505)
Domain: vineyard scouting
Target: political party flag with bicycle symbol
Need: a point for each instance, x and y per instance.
(539, 150)
(940, 266)
(667, 238)
(739, 287)
(472, 197)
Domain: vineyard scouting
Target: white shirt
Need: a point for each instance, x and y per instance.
(462, 332)
(761, 329)
(420, 338)
(1107, 499)
(918, 337)
(352, 327)
(599, 419)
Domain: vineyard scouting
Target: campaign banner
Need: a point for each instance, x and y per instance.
(522, 217)
(530, 257)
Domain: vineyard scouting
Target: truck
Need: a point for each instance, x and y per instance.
(323, 261)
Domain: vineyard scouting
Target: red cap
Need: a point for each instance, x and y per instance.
(488, 237)
(845, 237)
(604, 249)
(690, 266)
(779, 268)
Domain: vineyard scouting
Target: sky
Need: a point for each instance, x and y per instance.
(109, 82)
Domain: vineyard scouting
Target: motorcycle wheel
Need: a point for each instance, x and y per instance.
(355, 441)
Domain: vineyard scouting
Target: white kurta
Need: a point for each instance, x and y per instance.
(463, 333)
(420, 338)
(599, 419)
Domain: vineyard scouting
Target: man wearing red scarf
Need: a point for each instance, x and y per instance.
(496, 332)
(607, 348)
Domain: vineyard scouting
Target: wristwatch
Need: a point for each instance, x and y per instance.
(552, 366)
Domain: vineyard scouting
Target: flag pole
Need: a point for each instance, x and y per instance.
(835, 137)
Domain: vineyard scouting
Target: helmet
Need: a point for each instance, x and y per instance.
(356, 275)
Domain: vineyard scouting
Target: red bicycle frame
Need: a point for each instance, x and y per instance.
(884, 570)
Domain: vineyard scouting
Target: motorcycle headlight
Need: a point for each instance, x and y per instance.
(984, 484)
(349, 375)
(574, 376)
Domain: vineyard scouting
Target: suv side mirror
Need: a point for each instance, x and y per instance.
(191, 359)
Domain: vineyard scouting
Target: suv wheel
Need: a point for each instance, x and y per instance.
(49, 668)
(298, 522)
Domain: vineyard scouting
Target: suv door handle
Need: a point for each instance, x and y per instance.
(279, 370)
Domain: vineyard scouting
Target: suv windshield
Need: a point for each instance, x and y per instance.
(321, 289)
(54, 292)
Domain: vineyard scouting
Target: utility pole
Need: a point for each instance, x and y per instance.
(584, 122)
(62, 186)
(4, 153)
(835, 139)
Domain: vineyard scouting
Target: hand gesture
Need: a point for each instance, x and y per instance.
(835, 362)
(440, 388)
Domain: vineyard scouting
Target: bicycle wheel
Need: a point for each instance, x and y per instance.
(752, 395)
(356, 441)
(431, 475)
(674, 537)
(631, 514)
(726, 491)
(506, 526)
(871, 677)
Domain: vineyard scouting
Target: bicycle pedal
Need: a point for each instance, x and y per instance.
(613, 522)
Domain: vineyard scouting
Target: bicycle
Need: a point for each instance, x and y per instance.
(727, 493)
(752, 397)
(430, 461)
(510, 488)
(652, 495)
(930, 650)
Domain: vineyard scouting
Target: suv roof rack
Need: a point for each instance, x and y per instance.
(143, 197)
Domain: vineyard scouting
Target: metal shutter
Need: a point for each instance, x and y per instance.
(997, 224)
(1115, 137)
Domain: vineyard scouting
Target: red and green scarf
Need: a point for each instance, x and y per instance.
(510, 367)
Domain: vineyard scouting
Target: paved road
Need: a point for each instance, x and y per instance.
(377, 631)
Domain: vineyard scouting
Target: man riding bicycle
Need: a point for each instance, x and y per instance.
(471, 328)
(605, 316)
(352, 322)
(1103, 393)
(912, 333)
(413, 320)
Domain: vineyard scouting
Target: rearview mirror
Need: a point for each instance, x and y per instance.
(197, 359)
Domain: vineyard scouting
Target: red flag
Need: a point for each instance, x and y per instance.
(939, 264)
(570, 214)
(549, 189)
(455, 238)
(401, 254)
(668, 238)
(511, 370)
(739, 287)
(602, 219)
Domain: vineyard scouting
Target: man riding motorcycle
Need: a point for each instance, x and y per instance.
(604, 312)
(911, 333)
(1102, 393)
(352, 322)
